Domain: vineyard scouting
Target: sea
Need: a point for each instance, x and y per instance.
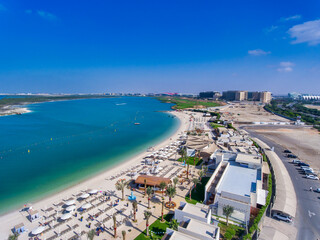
(60, 143)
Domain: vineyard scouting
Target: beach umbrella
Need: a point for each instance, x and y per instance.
(66, 216)
(93, 191)
(70, 202)
(86, 206)
(71, 208)
(85, 195)
(38, 230)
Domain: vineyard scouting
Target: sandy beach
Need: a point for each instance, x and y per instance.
(13, 110)
(100, 182)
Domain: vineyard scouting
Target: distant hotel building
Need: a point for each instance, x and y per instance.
(210, 95)
(264, 97)
(306, 97)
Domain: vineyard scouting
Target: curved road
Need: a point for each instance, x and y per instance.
(307, 220)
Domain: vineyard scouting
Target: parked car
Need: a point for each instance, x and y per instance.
(291, 156)
(309, 172)
(306, 168)
(296, 161)
(283, 217)
(303, 164)
(287, 151)
(317, 190)
(313, 177)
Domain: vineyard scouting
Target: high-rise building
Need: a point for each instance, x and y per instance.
(210, 95)
(265, 97)
(254, 96)
(241, 95)
(229, 95)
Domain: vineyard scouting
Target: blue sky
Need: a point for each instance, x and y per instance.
(159, 46)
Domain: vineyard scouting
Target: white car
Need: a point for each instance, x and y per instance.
(283, 217)
(312, 177)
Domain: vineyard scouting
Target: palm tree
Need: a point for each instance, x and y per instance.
(162, 207)
(149, 193)
(175, 181)
(227, 211)
(124, 234)
(147, 215)
(195, 182)
(135, 207)
(114, 225)
(205, 170)
(121, 185)
(187, 171)
(162, 186)
(171, 192)
(200, 174)
(145, 186)
(13, 237)
(174, 224)
(91, 234)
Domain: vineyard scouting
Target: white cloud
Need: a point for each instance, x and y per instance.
(295, 17)
(271, 29)
(307, 32)
(2, 8)
(47, 15)
(258, 52)
(285, 67)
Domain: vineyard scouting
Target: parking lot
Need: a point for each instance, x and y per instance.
(308, 202)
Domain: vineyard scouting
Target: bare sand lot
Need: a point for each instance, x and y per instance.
(303, 142)
(249, 112)
(313, 106)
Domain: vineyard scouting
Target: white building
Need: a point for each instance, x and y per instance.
(195, 223)
(238, 182)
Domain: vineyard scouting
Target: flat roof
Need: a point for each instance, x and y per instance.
(238, 180)
(205, 229)
(179, 236)
(195, 210)
(248, 158)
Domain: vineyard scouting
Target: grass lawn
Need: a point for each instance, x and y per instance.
(215, 125)
(157, 227)
(182, 103)
(191, 161)
(198, 196)
(238, 231)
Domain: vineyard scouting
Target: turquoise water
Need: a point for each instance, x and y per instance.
(61, 143)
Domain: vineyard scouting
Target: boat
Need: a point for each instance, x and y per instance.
(136, 123)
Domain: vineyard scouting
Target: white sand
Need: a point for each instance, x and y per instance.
(9, 220)
(13, 111)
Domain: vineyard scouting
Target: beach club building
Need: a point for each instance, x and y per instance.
(240, 181)
(151, 181)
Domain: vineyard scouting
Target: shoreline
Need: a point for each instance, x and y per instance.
(9, 110)
(19, 108)
(13, 217)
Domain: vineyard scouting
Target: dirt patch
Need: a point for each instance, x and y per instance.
(312, 106)
(303, 142)
(249, 112)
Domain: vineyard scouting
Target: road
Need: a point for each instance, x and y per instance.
(307, 220)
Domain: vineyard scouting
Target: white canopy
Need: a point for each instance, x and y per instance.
(70, 202)
(86, 206)
(66, 216)
(38, 230)
(93, 191)
(71, 208)
(85, 195)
